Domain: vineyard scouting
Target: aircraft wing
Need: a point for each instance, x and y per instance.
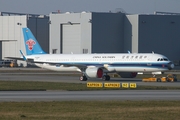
(67, 64)
(29, 60)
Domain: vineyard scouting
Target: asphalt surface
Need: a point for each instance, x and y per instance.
(26, 96)
(48, 76)
(65, 77)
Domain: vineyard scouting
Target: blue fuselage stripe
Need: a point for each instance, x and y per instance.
(150, 65)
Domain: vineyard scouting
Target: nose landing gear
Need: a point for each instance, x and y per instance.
(83, 78)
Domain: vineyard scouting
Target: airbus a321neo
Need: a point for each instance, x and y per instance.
(93, 65)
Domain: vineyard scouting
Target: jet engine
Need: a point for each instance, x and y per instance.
(128, 74)
(94, 72)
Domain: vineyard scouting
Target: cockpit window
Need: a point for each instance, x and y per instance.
(165, 59)
(162, 59)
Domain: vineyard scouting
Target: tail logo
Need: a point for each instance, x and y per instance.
(30, 44)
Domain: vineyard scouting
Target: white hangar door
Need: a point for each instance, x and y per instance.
(71, 39)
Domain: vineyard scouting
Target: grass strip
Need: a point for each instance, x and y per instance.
(35, 85)
(91, 110)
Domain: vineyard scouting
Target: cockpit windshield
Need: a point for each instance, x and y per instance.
(162, 59)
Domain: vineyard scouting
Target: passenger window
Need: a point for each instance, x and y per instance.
(136, 57)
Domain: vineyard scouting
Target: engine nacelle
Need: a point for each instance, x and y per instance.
(94, 72)
(128, 74)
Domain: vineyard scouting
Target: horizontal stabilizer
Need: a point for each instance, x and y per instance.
(22, 59)
(15, 58)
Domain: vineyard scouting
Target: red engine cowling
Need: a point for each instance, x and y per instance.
(128, 74)
(94, 72)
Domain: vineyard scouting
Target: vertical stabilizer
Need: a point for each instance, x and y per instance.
(31, 44)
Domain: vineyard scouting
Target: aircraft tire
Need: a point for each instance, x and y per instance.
(83, 78)
(106, 77)
(158, 80)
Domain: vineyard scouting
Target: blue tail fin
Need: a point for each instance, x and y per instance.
(31, 44)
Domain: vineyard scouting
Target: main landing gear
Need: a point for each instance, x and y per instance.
(84, 78)
(106, 77)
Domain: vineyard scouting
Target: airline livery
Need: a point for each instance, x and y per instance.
(93, 65)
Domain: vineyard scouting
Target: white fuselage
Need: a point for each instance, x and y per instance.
(148, 62)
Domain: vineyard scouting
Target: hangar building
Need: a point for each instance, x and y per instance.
(86, 33)
(155, 32)
(115, 33)
(93, 32)
(11, 37)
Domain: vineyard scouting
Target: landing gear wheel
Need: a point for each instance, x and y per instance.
(158, 80)
(83, 78)
(167, 80)
(106, 77)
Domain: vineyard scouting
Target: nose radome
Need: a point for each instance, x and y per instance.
(170, 65)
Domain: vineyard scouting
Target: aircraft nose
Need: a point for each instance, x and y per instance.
(170, 65)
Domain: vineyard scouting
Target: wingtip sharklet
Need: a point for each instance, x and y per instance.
(22, 55)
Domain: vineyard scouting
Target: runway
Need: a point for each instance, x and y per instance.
(32, 96)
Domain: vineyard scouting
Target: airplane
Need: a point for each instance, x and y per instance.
(127, 65)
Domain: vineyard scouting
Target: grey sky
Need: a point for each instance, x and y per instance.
(129, 6)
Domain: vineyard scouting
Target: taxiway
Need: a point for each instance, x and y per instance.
(26, 96)
(46, 76)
